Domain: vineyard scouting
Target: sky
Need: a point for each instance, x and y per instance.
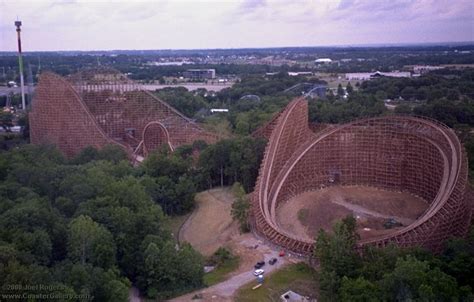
(50, 25)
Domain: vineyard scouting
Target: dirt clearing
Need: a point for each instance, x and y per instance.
(306, 213)
(210, 225)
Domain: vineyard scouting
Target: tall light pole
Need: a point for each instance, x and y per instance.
(20, 63)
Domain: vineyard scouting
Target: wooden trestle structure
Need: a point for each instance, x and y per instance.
(102, 106)
(415, 155)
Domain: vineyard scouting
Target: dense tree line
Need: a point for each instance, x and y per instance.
(183, 100)
(335, 110)
(260, 85)
(455, 114)
(450, 85)
(241, 207)
(87, 225)
(256, 99)
(94, 224)
(171, 180)
(246, 114)
(232, 160)
(446, 95)
(392, 274)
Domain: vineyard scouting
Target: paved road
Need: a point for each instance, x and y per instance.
(225, 290)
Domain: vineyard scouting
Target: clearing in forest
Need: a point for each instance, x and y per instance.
(306, 213)
(210, 226)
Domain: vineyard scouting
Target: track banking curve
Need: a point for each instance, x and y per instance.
(411, 154)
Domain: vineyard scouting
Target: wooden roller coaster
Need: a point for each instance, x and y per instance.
(410, 154)
(102, 106)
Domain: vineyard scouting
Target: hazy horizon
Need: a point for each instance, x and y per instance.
(184, 25)
(342, 46)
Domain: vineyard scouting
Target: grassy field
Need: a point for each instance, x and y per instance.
(298, 277)
(221, 272)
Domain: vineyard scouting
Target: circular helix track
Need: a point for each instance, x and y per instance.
(415, 155)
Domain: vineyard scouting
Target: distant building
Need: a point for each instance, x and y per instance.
(422, 69)
(200, 74)
(363, 76)
(323, 61)
(393, 74)
(359, 76)
(297, 73)
(170, 63)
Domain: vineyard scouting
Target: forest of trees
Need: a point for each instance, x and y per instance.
(392, 274)
(445, 95)
(93, 225)
(245, 114)
(87, 226)
(335, 111)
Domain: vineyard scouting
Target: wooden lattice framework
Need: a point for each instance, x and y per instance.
(415, 155)
(102, 106)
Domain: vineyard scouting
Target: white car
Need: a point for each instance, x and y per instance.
(258, 272)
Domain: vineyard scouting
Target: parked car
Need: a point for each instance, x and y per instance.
(282, 253)
(258, 272)
(259, 264)
(272, 261)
